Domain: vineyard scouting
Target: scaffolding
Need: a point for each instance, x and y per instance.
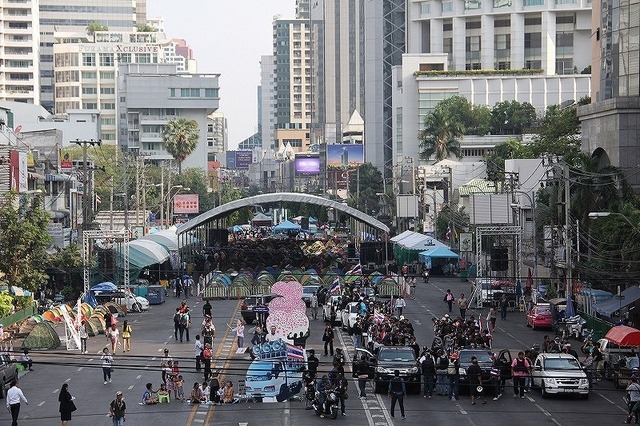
(108, 239)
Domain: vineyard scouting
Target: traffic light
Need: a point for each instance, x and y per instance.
(500, 258)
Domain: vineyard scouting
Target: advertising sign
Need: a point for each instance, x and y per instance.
(66, 161)
(344, 156)
(239, 159)
(186, 203)
(307, 165)
(466, 241)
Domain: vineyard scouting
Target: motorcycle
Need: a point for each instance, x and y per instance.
(425, 276)
(310, 392)
(330, 405)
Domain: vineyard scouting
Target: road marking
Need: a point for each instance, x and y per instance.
(80, 369)
(610, 401)
(68, 380)
(287, 413)
(56, 391)
(130, 387)
(139, 375)
(417, 322)
(42, 403)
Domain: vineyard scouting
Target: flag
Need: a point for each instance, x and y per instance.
(98, 199)
(295, 352)
(335, 286)
(356, 270)
(378, 318)
(448, 234)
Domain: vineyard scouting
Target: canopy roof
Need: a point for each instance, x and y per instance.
(166, 238)
(228, 208)
(145, 253)
(622, 335)
(615, 303)
(399, 237)
(439, 252)
(286, 226)
(412, 240)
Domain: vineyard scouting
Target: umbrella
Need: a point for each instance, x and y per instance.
(569, 312)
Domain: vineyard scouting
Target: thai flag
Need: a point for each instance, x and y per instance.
(378, 318)
(335, 286)
(356, 270)
(295, 352)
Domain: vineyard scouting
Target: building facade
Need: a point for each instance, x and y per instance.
(75, 16)
(150, 95)
(19, 66)
(217, 136)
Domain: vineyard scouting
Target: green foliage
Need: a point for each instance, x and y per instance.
(456, 73)
(369, 181)
(559, 133)
(96, 26)
(239, 216)
(69, 259)
(510, 117)
(442, 130)
(6, 303)
(146, 28)
(458, 219)
(23, 241)
(180, 138)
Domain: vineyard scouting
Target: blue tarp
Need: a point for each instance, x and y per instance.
(286, 226)
(615, 303)
(90, 297)
(438, 252)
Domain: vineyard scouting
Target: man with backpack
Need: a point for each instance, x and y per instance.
(397, 391)
(520, 369)
(442, 362)
(428, 367)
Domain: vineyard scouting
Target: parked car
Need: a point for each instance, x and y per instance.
(349, 314)
(485, 361)
(125, 298)
(8, 372)
(250, 302)
(540, 316)
(331, 309)
(387, 360)
(307, 291)
(559, 374)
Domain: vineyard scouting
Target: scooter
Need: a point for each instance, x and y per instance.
(425, 276)
(330, 405)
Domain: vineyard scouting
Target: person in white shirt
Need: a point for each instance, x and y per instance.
(239, 330)
(199, 346)
(400, 305)
(14, 396)
(82, 331)
(26, 360)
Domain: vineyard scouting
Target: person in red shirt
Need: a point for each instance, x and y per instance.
(520, 369)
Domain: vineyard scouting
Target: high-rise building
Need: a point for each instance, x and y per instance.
(76, 16)
(217, 136)
(267, 103)
(150, 95)
(178, 52)
(552, 35)
(19, 66)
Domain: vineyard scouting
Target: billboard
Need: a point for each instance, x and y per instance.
(186, 203)
(344, 156)
(307, 165)
(239, 159)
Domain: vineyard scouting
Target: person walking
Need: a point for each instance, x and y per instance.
(206, 360)
(113, 338)
(397, 391)
(474, 376)
(491, 319)
(198, 347)
(13, 397)
(126, 336)
(400, 304)
(504, 304)
(117, 409)
(183, 325)
(520, 369)
(314, 306)
(463, 304)
(206, 309)
(67, 406)
(82, 331)
(449, 299)
(239, 330)
(107, 362)
(633, 396)
(362, 371)
(327, 338)
(208, 331)
(164, 363)
(176, 323)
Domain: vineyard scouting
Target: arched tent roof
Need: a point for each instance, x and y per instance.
(167, 238)
(225, 209)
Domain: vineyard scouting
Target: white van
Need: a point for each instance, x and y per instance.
(273, 378)
(124, 297)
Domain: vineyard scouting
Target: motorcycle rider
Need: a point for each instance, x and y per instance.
(321, 388)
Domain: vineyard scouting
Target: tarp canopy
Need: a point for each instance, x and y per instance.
(615, 303)
(438, 252)
(399, 237)
(622, 335)
(412, 240)
(145, 253)
(166, 238)
(261, 219)
(286, 226)
(427, 244)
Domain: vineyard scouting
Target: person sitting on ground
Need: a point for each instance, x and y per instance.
(163, 392)
(196, 394)
(147, 396)
(205, 391)
(26, 360)
(229, 393)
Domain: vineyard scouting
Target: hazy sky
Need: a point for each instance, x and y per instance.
(227, 37)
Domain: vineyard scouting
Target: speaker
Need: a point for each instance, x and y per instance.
(500, 258)
(219, 237)
(351, 251)
(304, 223)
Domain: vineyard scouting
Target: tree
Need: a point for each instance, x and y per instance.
(180, 138)
(146, 28)
(510, 117)
(69, 259)
(439, 138)
(23, 241)
(508, 150)
(559, 132)
(96, 26)
(364, 185)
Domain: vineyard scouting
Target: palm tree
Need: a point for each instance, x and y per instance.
(180, 138)
(440, 135)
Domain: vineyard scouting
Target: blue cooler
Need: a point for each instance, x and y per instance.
(155, 294)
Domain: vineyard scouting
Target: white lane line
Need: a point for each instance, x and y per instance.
(287, 413)
(138, 377)
(42, 403)
(130, 387)
(56, 391)
(80, 369)
(68, 380)
(610, 401)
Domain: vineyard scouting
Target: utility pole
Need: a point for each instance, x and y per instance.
(87, 204)
(137, 191)
(162, 194)
(567, 224)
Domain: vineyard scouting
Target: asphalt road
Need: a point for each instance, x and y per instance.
(153, 331)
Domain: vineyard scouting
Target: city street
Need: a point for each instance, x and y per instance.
(153, 331)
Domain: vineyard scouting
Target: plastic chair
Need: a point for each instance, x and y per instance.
(163, 399)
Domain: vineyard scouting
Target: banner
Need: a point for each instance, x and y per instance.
(186, 203)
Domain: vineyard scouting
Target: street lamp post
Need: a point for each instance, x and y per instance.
(532, 203)
(596, 215)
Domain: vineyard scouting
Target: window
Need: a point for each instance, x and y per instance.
(107, 75)
(473, 25)
(502, 23)
(502, 42)
(107, 105)
(107, 90)
(143, 58)
(447, 6)
(124, 58)
(89, 105)
(533, 3)
(88, 59)
(425, 8)
(564, 66)
(535, 20)
(108, 121)
(89, 90)
(566, 19)
(532, 40)
(190, 93)
(106, 59)
(210, 93)
(564, 39)
(533, 64)
(473, 44)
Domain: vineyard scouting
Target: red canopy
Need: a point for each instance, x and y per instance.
(622, 335)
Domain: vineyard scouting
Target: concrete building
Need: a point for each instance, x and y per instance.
(217, 136)
(178, 52)
(19, 66)
(610, 125)
(150, 95)
(76, 16)
(267, 103)
(86, 68)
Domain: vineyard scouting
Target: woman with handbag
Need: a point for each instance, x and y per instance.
(67, 406)
(632, 398)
